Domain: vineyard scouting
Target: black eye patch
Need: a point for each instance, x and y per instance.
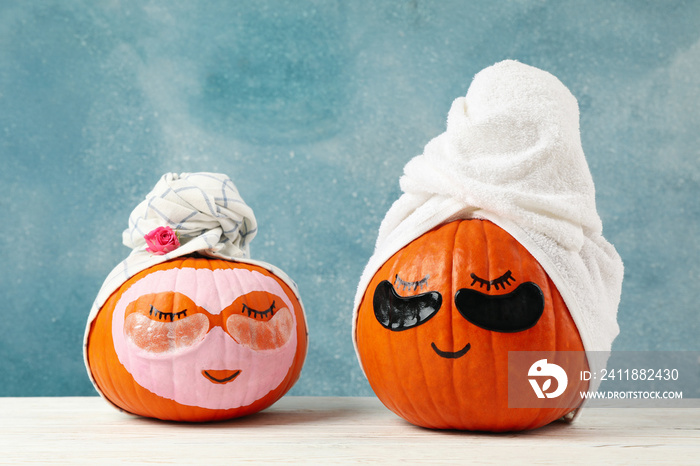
(508, 313)
(398, 313)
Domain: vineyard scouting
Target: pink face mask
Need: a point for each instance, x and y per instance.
(212, 348)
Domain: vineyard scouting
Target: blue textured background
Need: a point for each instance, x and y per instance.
(313, 108)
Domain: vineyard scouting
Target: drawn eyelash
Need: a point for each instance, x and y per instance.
(502, 281)
(166, 315)
(259, 314)
(411, 285)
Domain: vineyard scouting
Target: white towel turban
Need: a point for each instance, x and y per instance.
(206, 211)
(512, 154)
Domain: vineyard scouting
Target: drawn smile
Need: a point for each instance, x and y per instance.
(221, 376)
(450, 354)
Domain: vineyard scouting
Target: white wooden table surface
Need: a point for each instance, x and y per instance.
(332, 430)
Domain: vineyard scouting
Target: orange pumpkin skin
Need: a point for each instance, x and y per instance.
(468, 392)
(118, 385)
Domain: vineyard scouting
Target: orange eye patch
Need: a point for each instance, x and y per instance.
(162, 337)
(259, 320)
(164, 322)
(261, 336)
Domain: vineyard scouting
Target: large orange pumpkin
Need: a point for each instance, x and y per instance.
(198, 339)
(438, 319)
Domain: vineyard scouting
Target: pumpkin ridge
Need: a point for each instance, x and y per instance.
(105, 375)
(448, 418)
(454, 285)
(413, 412)
(430, 392)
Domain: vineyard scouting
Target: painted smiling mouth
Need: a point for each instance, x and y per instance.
(451, 354)
(221, 376)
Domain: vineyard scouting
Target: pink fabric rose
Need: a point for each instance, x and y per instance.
(161, 241)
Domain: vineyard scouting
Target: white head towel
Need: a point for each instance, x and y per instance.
(512, 154)
(209, 216)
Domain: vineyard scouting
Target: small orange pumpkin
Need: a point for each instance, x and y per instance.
(198, 339)
(437, 321)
